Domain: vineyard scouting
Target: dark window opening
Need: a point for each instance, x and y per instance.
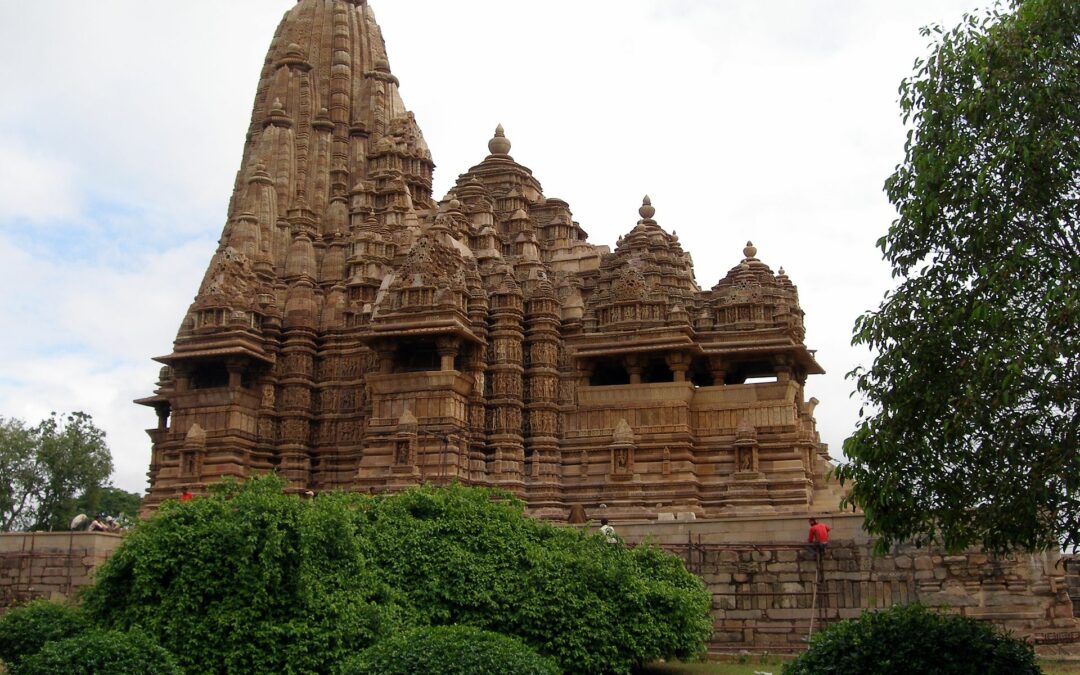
(700, 375)
(209, 376)
(607, 373)
(657, 370)
(739, 373)
(416, 357)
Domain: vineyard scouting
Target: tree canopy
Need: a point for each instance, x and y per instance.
(972, 402)
(43, 469)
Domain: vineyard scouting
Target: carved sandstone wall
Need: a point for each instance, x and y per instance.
(353, 332)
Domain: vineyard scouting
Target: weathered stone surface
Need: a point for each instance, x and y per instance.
(354, 332)
(50, 564)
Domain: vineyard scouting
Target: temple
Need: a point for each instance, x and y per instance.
(352, 332)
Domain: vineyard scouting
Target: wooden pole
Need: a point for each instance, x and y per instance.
(813, 601)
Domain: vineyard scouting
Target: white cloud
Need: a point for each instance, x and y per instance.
(33, 186)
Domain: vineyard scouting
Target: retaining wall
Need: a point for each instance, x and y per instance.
(52, 565)
(765, 596)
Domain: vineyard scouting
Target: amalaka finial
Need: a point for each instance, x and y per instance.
(647, 211)
(499, 144)
(750, 251)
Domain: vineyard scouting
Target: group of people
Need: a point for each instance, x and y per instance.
(816, 539)
(84, 523)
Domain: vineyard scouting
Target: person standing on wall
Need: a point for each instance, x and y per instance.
(816, 539)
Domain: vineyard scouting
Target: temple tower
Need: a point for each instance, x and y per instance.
(353, 333)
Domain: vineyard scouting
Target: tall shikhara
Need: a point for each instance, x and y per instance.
(352, 333)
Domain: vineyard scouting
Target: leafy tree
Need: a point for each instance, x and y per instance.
(248, 580)
(251, 580)
(462, 558)
(971, 434)
(18, 474)
(43, 468)
(913, 639)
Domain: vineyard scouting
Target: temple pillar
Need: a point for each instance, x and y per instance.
(679, 362)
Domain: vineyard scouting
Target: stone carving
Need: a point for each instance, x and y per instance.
(340, 276)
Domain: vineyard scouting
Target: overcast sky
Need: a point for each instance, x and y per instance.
(123, 121)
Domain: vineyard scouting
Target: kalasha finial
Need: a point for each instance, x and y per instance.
(750, 251)
(500, 144)
(454, 205)
(647, 211)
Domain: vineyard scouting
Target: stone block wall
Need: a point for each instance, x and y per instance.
(765, 594)
(53, 565)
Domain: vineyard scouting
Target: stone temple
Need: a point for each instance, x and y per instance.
(354, 332)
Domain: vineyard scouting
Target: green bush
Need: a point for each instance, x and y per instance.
(25, 629)
(911, 640)
(449, 650)
(465, 556)
(248, 580)
(100, 652)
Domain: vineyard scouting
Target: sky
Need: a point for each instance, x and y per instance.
(123, 121)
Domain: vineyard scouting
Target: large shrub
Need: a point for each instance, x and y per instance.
(25, 629)
(248, 580)
(252, 581)
(462, 556)
(449, 650)
(99, 652)
(911, 640)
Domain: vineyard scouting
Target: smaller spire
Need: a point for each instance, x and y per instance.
(499, 144)
(647, 210)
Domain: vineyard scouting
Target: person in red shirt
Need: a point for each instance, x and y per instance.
(817, 538)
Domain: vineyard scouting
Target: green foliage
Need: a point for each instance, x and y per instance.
(449, 650)
(248, 580)
(25, 629)
(912, 640)
(43, 468)
(973, 420)
(100, 652)
(463, 556)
